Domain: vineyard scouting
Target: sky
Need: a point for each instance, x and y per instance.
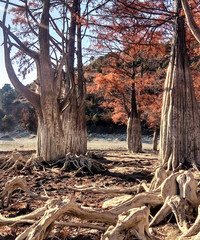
(3, 73)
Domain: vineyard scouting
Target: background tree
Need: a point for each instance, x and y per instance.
(7, 95)
(130, 27)
(114, 85)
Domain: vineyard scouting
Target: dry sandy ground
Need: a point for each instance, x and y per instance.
(95, 142)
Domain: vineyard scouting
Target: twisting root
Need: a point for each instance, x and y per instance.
(15, 161)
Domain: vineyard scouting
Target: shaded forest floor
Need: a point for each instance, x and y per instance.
(124, 170)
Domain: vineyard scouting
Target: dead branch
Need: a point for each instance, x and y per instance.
(102, 190)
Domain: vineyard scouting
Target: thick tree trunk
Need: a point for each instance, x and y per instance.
(50, 137)
(179, 135)
(134, 135)
(50, 134)
(74, 115)
(75, 124)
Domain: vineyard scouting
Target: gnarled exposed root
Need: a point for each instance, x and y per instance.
(10, 187)
(34, 162)
(80, 163)
(125, 218)
(101, 190)
(169, 188)
(188, 188)
(158, 179)
(134, 222)
(15, 161)
(194, 230)
(139, 200)
(178, 206)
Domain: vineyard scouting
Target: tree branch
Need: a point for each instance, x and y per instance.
(32, 97)
(190, 20)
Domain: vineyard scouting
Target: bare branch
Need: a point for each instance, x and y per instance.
(29, 95)
(190, 20)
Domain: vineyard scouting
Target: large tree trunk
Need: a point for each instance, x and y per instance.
(179, 135)
(76, 138)
(50, 137)
(74, 116)
(134, 136)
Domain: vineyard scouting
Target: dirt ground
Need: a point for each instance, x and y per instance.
(125, 170)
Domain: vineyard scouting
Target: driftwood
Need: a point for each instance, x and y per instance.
(125, 217)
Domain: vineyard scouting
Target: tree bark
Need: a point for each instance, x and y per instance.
(134, 135)
(179, 135)
(74, 116)
(155, 139)
(190, 20)
(74, 122)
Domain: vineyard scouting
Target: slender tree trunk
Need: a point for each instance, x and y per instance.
(155, 139)
(134, 135)
(179, 135)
